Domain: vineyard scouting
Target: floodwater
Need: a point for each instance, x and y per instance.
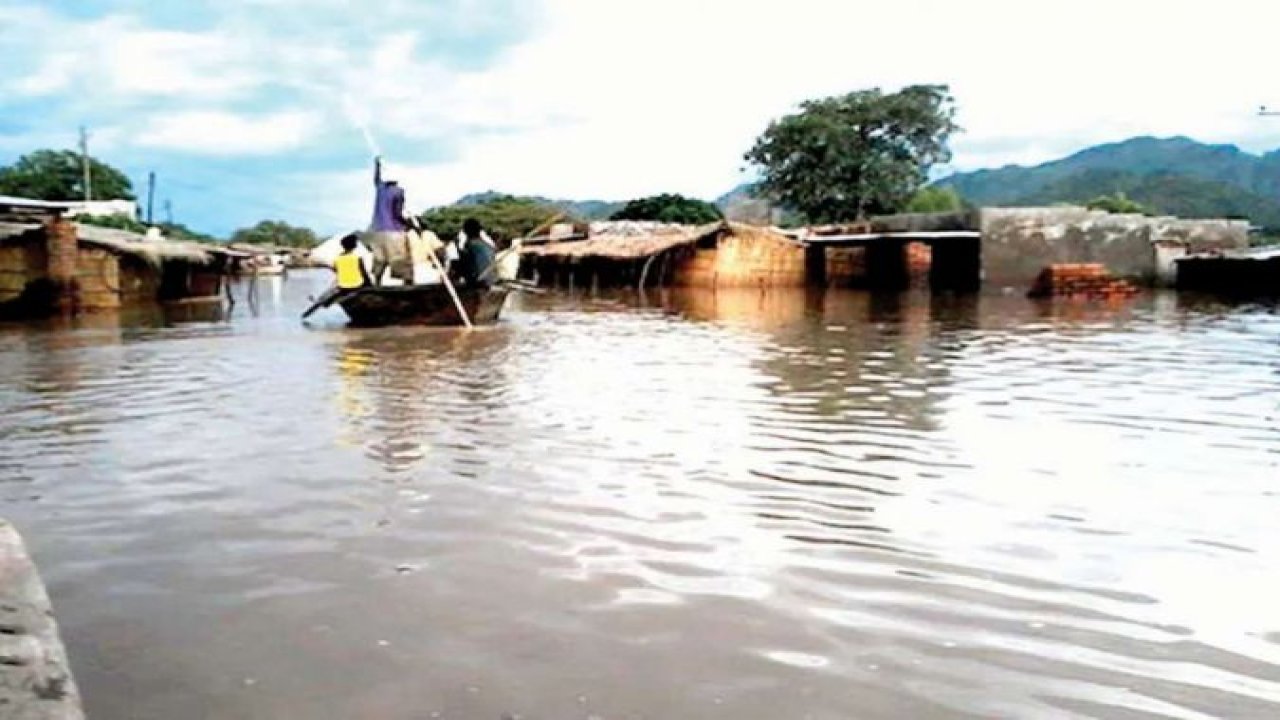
(692, 505)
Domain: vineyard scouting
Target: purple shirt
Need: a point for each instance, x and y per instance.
(388, 209)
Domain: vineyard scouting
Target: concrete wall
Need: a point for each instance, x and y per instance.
(1018, 242)
(744, 258)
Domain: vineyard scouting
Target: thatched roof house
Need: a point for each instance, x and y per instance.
(646, 253)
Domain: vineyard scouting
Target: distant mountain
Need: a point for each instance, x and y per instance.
(581, 209)
(1164, 193)
(741, 205)
(1178, 176)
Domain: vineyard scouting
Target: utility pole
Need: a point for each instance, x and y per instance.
(168, 212)
(84, 164)
(151, 193)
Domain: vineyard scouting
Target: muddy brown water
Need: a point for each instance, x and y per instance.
(719, 505)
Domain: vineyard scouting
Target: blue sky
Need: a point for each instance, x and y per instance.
(249, 109)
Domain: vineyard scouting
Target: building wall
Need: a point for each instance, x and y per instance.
(97, 283)
(744, 258)
(1018, 242)
(139, 281)
(846, 266)
(21, 263)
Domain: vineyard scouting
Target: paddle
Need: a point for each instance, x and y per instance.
(448, 284)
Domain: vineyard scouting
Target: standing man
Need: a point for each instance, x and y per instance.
(386, 235)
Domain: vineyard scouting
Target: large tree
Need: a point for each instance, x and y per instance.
(59, 175)
(846, 157)
(669, 208)
(276, 232)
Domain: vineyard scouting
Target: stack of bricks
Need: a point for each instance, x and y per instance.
(919, 260)
(1086, 280)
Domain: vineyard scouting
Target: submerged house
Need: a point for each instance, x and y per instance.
(649, 254)
(50, 265)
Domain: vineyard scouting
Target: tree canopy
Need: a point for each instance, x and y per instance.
(846, 157)
(669, 208)
(1118, 203)
(935, 199)
(276, 232)
(58, 175)
(504, 217)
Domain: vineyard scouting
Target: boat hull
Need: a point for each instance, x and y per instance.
(422, 305)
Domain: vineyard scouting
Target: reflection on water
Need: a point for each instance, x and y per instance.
(686, 504)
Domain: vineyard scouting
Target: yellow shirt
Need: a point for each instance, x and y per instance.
(348, 269)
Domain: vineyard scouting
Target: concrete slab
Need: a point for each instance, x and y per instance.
(35, 677)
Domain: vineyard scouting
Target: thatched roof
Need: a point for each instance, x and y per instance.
(123, 242)
(638, 240)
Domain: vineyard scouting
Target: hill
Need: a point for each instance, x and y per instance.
(1164, 193)
(581, 209)
(1178, 176)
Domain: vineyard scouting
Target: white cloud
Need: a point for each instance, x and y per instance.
(118, 58)
(210, 132)
(620, 99)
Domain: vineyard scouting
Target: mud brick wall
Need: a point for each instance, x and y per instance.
(97, 280)
(846, 267)
(744, 261)
(20, 263)
(64, 250)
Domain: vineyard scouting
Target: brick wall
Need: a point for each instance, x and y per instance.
(97, 280)
(744, 258)
(20, 263)
(64, 250)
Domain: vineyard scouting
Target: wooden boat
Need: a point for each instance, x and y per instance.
(418, 305)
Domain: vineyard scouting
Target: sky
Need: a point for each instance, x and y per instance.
(254, 109)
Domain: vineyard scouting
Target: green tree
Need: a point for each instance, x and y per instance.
(669, 208)
(58, 175)
(504, 217)
(845, 157)
(935, 199)
(276, 232)
(1116, 203)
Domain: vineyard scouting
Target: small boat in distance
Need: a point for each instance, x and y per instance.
(416, 305)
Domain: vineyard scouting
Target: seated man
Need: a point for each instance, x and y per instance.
(476, 250)
(349, 267)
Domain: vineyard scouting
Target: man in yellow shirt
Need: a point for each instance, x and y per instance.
(351, 272)
(349, 267)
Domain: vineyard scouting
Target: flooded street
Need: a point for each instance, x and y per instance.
(692, 505)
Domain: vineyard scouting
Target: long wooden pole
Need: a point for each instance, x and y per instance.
(444, 276)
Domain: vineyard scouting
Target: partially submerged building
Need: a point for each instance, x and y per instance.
(646, 254)
(50, 265)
